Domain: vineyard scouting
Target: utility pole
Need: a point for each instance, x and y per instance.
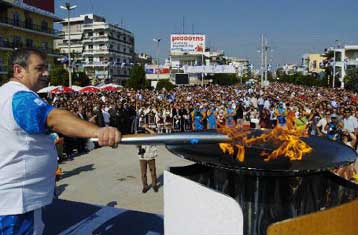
(183, 24)
(266, 47)
(262, 59)
(334, 64)
(68, 7)
(157, 40)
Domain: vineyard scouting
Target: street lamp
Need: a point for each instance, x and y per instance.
(157, 40)
(68, 7)
(334, 63)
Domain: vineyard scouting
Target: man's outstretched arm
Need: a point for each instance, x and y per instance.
(65, 122)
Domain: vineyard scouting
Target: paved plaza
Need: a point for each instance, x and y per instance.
(107, 176)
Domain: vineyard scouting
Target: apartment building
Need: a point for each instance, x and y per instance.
(104, 51)
(311, 63)
(26, 23)
(342, 58)
(242, 65)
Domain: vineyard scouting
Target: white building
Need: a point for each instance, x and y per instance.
(242, 65)
(345, 57)
(104, 51)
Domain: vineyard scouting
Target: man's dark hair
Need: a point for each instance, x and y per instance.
(21, 57)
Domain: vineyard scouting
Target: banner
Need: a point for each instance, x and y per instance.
(210, 69)
(187, 43)
(164, 70)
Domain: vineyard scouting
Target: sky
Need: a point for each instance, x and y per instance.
(292, 27)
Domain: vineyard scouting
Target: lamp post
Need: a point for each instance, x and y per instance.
(157, 40)
(68, 7)
(334, 64)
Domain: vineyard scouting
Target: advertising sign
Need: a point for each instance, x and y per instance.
(163, 70)
(209, 69)
(44, 5)
(187, 43)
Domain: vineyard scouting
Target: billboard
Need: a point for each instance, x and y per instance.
(181, 78)
(47, 5)
(209, 69)
(162, 70)
(187, 43)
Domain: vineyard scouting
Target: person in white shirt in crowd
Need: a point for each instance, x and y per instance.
(350, 122)
(28, 160)
(267, 104)
(147, 155)
(322, 123)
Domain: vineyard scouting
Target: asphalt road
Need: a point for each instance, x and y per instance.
(111, 177)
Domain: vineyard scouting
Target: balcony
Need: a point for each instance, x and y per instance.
(29, 27)
(12, 45)
(96, 51)
(95, 64)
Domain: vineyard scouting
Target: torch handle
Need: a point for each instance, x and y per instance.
(174, 138)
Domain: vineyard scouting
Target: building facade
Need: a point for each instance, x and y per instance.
(341, 59)
(311, 63)
(104, 51)
(26, 24)
(242, 65)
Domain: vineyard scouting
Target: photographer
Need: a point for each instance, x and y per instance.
(147, 155)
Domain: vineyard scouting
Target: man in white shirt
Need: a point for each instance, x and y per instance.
(350, 122)
(28, 159)
(322, 123)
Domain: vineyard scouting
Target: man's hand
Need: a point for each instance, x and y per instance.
(108, 136)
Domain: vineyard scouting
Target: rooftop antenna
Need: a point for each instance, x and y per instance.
(92, 10)
(183, 24)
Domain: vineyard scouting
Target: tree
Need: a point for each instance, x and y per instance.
(81, 79)
(223, 79)
(165, 84)
(351, 80)
(137, 78)
(58, 76)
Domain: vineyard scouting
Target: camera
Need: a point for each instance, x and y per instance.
(141, 150)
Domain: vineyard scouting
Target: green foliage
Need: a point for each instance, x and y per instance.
(223, 79)
(80, 79)
(351, 80)
(137, 78)
(165, 84)
(300, 79)
(58, 76)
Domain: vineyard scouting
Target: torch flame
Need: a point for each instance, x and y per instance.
(286, 140)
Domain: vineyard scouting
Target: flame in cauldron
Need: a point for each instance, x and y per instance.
(285, 141)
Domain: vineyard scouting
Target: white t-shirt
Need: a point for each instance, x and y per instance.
(350, 123)
(321, 124)
(28, 156)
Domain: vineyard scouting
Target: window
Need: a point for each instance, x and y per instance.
(44, 26)
(29, 43)
(44, 45)
(101, 33)
(314, 65)
(28, 22)
(90, 59)
(90, 34)
(17, 41)
(16, 19)
(90, 47)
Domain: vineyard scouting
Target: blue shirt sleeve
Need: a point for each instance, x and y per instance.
(30, 112)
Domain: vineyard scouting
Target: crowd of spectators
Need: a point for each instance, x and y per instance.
(317, 111)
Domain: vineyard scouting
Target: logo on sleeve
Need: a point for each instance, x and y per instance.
(39, 102)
